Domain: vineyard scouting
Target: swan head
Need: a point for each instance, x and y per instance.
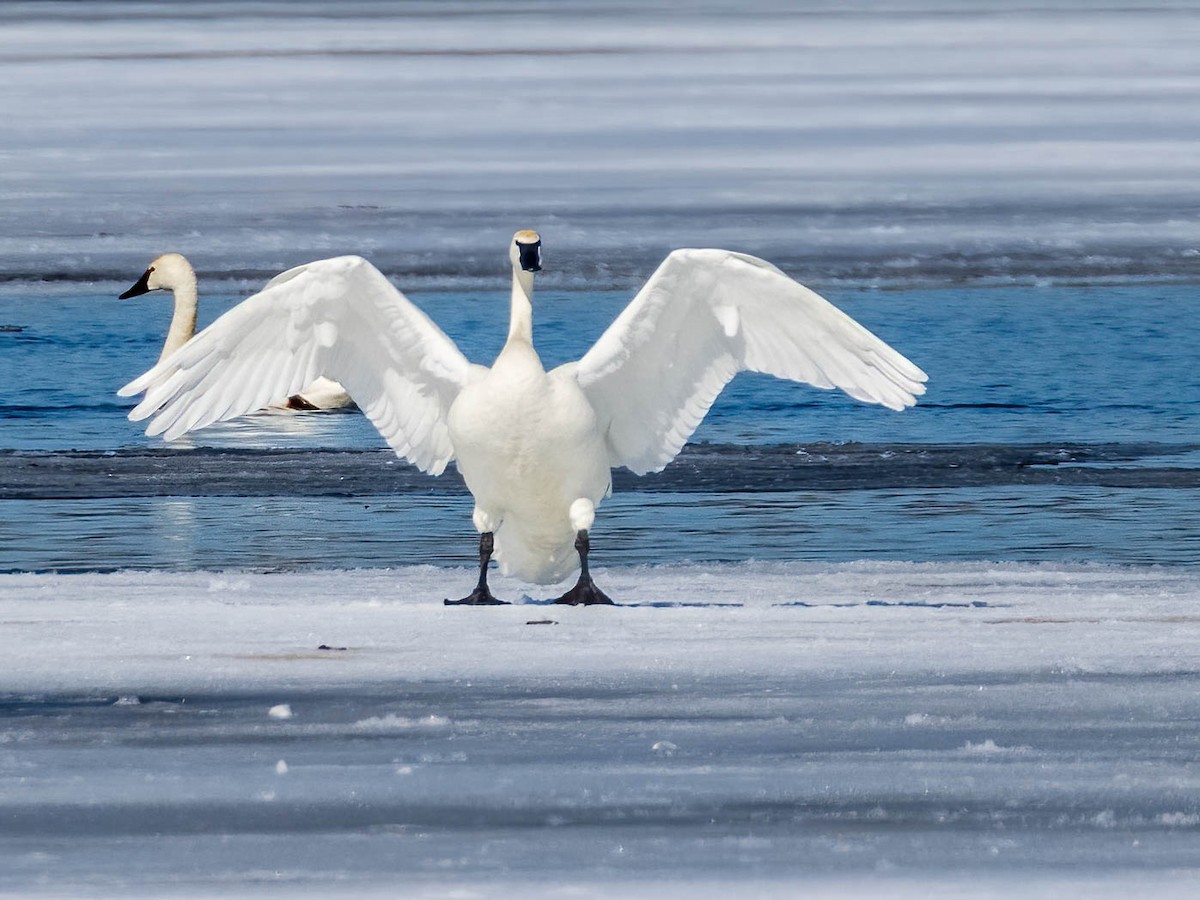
(526, 252)
(166, 272)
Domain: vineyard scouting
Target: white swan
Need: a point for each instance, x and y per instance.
(172, 272)
(535, 447)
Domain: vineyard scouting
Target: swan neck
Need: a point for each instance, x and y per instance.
(183, 321)
(520, 325)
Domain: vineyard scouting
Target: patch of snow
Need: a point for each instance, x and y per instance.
(1179, 820)
(392, 722)
(990, 746)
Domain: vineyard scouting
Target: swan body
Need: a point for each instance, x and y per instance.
(172, 272)
(535, 448)
(534, 493)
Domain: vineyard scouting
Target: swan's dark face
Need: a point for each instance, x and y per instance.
(528, 247)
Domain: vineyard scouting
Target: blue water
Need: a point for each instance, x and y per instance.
(1090, 365)
(1006, 194)
(1006, 365)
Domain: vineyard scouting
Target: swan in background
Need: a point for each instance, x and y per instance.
(535, 448)
(172, 272)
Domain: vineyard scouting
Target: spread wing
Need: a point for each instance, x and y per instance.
(706, 315)
(339, 318)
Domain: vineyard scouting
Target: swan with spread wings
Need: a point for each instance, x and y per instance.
(535, 448)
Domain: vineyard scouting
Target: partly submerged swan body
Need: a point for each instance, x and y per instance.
(172, 272)
(535, 448)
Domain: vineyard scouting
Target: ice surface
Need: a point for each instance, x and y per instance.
(874, 141)
(915, 730)
(773, 729)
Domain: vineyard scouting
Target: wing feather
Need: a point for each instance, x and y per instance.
(339, 318)
(706, 315)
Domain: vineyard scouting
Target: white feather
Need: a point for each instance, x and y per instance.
(172, 272)
(340, 318)
(706, 315)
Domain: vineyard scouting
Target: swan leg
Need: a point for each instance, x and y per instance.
(585, 590)
(481, 596)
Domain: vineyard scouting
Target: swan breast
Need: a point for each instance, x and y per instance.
(528, 446)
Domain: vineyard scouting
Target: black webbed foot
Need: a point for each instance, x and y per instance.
(477, 598)
(585, 591)
(481, 596)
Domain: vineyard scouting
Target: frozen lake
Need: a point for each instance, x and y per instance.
(875, 141)
(873, 729)
(952, 652)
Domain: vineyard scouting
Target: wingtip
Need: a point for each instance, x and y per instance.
(139, 384)
(143, 410)
(914, 393)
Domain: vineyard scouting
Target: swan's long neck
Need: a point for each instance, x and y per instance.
(183, 322)
(520, 323)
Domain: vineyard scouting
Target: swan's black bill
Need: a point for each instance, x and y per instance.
(141, 287)
(531, 256)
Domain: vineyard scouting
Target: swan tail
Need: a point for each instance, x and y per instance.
(538, 559)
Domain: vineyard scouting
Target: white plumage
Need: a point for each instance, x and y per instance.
(535, 448)
(172, 272)
(706, 315)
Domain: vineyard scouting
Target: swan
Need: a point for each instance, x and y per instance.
(172, 272)
(535, 448)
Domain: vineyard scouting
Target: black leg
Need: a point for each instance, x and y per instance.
(481, 596)
(585, 590)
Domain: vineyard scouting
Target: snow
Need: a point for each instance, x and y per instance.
(856, 729)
